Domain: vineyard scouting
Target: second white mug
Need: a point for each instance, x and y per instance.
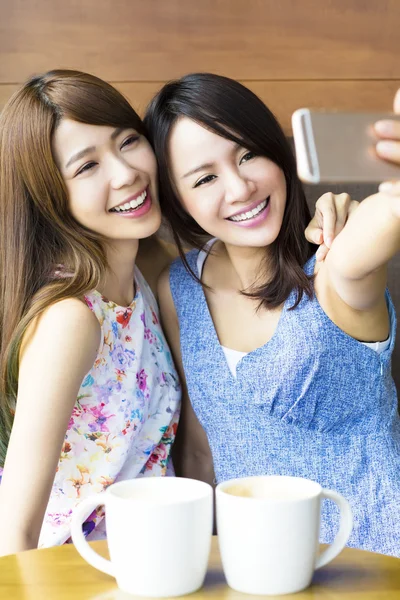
(268, 530)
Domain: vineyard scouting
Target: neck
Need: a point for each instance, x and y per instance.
(118, 285)
(247, 264)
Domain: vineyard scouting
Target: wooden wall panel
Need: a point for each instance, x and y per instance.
(342, 54)
(282, 97)
(155, 40)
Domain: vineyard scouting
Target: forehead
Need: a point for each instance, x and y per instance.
(71, 136)
(191, 142)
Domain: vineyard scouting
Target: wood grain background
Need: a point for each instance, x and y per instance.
(342, 54)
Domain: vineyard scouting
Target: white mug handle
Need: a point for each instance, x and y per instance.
(346, 525)
(79, 515)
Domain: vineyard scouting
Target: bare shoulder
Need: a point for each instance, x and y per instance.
(70, 310)
(69, 320)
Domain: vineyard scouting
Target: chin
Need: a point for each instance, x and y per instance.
(254, 240)
(149, 231)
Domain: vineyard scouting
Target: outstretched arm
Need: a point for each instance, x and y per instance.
(356, 263)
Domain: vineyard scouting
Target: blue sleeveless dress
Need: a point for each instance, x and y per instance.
(312, 402)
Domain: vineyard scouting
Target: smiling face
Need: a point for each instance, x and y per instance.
(111, 179)
(230, 192)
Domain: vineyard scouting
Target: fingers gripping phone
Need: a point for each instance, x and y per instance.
(339, 147)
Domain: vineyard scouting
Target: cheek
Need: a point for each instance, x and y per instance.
(282, 185)
(279, 177)
(147, 161)
(84, 198)
(282, 178)
(151, 165)
(202, 207)
(274, 174)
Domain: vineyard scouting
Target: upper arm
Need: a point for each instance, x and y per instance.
(58, 351)
(191, 451)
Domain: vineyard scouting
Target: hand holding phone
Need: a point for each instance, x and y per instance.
(389, 146)
(334, 147)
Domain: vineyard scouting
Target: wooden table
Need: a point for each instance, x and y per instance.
(60, 573)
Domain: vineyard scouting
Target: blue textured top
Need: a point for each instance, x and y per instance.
(312, 402)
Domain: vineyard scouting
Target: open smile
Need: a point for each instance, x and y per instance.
(250, 214)
(131, 205)
(137, 207)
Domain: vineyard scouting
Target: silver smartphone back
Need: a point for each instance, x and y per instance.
(336, 147)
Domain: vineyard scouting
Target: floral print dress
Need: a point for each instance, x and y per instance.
(125, 417)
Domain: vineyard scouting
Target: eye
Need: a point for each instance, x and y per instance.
(246, 157)
(87, 167)
(204, 180)
(130, 140)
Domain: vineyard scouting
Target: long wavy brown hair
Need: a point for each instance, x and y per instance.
(37, 231)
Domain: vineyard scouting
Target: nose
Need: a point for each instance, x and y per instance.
(121, 173)
(238, 188)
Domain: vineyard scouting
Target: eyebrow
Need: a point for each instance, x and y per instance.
(208, 165)
(89, 149)
(197, 169)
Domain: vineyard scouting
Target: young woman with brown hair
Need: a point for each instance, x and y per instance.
(287, 360)
(88, 391)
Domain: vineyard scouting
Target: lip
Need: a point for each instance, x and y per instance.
(137, 212)
(131, 197)
(257, 220)
(247, 208)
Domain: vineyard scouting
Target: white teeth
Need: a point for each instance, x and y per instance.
(251, 213)
(133, 203)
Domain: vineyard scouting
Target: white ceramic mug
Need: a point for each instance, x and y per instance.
(268, 529)
(158, 532)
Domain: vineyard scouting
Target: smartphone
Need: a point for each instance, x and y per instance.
(334, 147)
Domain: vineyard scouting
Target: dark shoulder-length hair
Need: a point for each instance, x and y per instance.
(230, 110)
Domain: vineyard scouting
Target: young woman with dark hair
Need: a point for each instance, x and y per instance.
(286, 359)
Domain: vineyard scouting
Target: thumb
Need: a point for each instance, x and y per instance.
(314, 233)
(390, 187)
(396, 104)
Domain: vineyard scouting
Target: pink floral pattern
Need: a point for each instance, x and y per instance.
(125, 417)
